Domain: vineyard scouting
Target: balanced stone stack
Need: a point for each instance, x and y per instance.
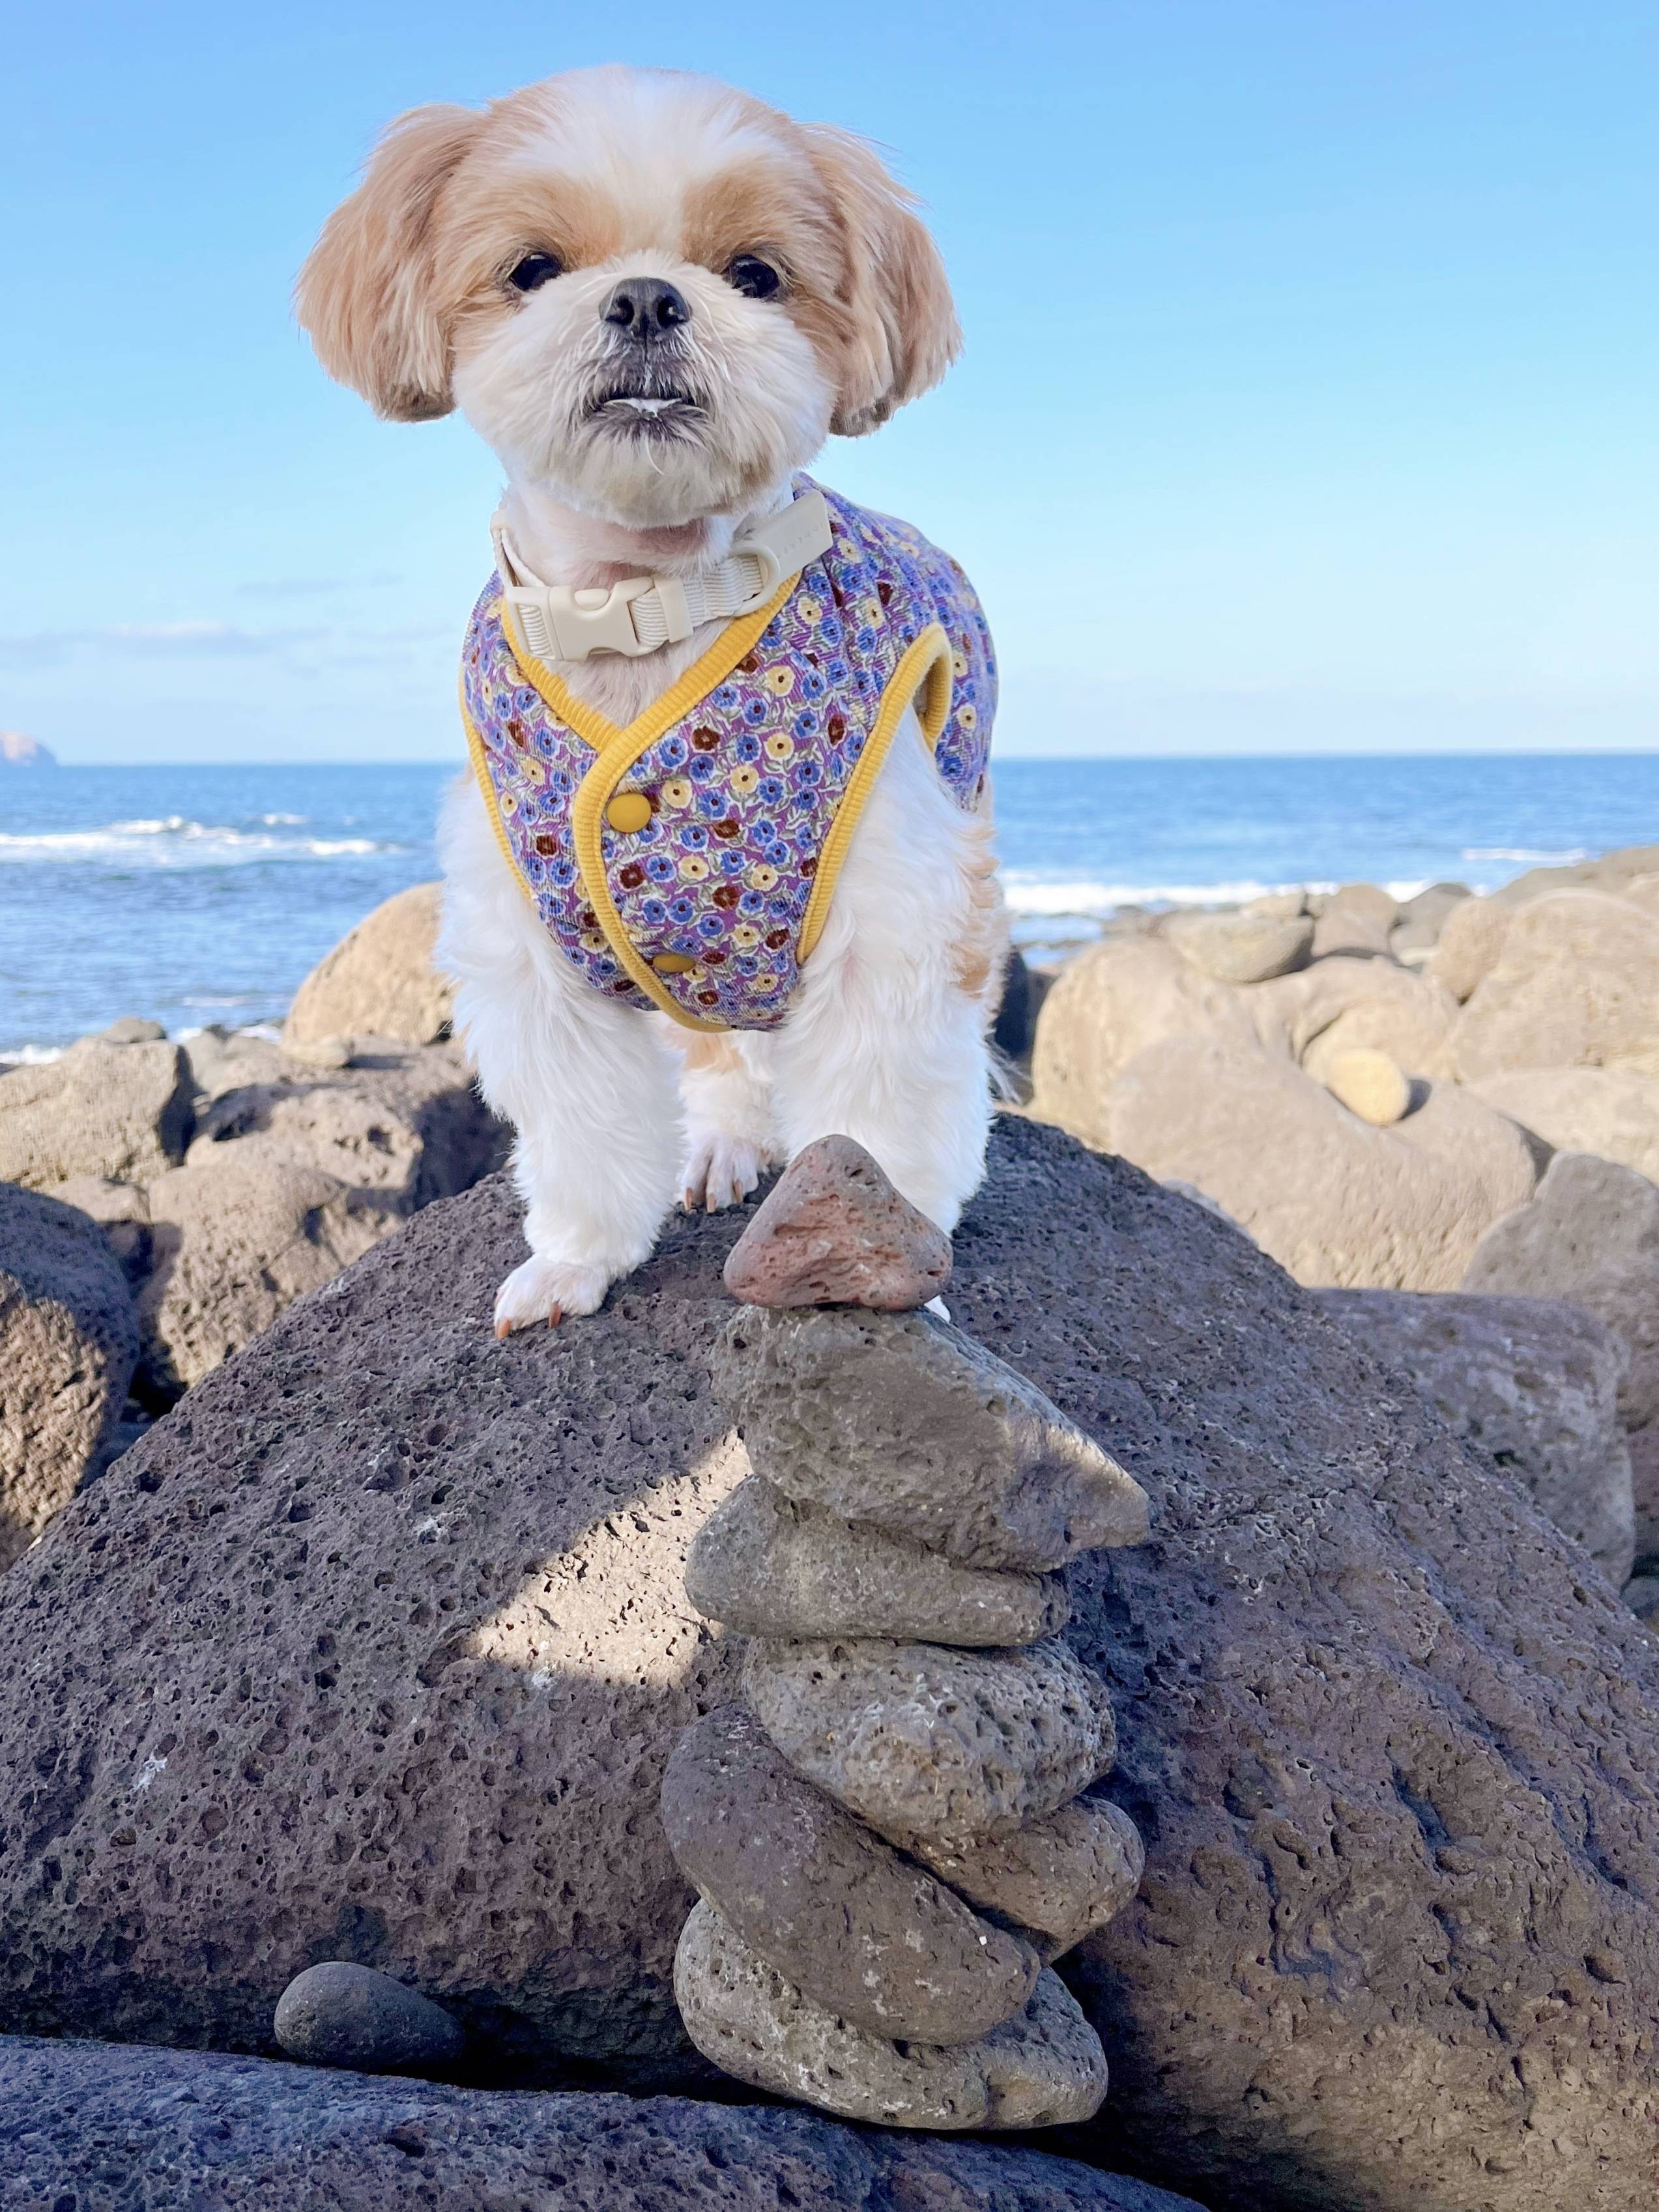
(895, 1837)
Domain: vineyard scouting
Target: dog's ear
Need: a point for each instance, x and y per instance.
(901, 332)
(365, 293)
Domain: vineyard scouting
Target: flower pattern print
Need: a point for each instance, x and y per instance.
(711, 891)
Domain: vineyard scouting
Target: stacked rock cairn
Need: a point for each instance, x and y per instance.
(893, 1837)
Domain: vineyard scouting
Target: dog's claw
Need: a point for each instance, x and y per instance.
(503, 1330)
(555, 1316)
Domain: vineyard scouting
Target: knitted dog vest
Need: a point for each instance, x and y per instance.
(687, 861)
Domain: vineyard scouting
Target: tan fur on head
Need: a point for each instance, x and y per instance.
(619, 173)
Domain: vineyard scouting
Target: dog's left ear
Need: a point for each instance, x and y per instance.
(365, 296)
(900, 331)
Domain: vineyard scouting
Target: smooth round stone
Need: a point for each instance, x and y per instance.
(921, 1740)
(1058, 1879)
(766, 1565)
(833, 1230)
(818, 1896)
(1042, 2068)
(320, 1052)
(132, 1029)
(338, 2015)
(1370, 1084)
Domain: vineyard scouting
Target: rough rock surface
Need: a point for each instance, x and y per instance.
(1533, 1383)
(836, 1909)
(1470, 941)
(1060, 1878)
(833, 1230)
(1334, 1201)
(1393, 1754)
(1575, 985)
(903, 1420)
(922, 1740)
(379, 979)
(765, 1564)
(1584, 1109)
(1591, 1235)
(121, 1210)
(111, 2130)
(339, 2014)
(69, 1341)
(1040, 2069)
(1241, 947)
(120, 1110)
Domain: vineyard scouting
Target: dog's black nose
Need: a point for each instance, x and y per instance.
(647, 307)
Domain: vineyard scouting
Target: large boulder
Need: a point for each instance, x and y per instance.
(1341, 1004)
(1584, 1109)
(379, 979)
(1470, 940)
(118, 1110)
(1532, 1383)
(1603, 871)
(1591, 1235)
(68, 1344)
(377, 1647)
(1576, 984)
(1333, 1199)
(95, 2127)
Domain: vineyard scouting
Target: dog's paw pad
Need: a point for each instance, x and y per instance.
(721, 1171)
(549, 1290)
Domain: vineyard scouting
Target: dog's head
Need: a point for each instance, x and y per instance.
(652, 294)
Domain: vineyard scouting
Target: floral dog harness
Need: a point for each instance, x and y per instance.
(687, 861)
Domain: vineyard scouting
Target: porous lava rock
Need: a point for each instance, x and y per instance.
(833, 1230)
(117, 1110)
(1393, 1751)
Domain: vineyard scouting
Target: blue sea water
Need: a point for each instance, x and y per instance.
(198, 894)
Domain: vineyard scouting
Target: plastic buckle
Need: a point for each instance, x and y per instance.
(594, 620)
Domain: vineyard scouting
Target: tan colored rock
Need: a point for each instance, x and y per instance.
(1277, 906)
(1422, 919)
(1060, 1878)
(1106, 1006)
(1043, 2068)
(1340, 1005)
(1604, 1110)
(833, 1230)
(1470, 940)
(380, 981)
(839, 1913)
(121, 1111)
(1575, 985)
(1355, 921)
(765, 1564)
(1333, 1200)
(1241, 947)
(121, 1210)
(921, 1740)
(1370, 1084)
(1604, 872)
(1643, 891)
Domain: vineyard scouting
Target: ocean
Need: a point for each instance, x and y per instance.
(199, 895)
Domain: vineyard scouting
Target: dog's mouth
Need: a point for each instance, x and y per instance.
(645, 409)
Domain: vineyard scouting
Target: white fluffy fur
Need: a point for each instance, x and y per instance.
(619, 1113)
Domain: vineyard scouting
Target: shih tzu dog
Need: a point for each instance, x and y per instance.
(722, 877)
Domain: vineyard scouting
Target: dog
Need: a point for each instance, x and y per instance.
(722, 876)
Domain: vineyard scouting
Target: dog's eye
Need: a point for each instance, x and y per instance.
(534, 271)
(755, 278)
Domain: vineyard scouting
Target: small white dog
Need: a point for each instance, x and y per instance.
(701, 695)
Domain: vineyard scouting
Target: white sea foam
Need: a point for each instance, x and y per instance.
(1564, 859)
(174, 840)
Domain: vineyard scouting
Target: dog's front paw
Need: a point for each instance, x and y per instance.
(550, 1290)
(720, 1171)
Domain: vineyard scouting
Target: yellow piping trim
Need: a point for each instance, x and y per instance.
(486, 783)
(617, 748)
(926, 661)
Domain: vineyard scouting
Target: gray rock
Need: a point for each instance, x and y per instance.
(1532, 1382)
(901, 1420)
(132, 1029)
(121, 1210)
(1422, 919)
(767, 1565)
(1603, 1110)
(1060, 1878)
(923, 1741)
(1591, 1235)
(380, 979)
(121, 1111)
(1342, 1005)
(330, 1051)
(340, 2014)
(838, 1913)
(1606, 871)
(1241, 947)
(1355, 921)
(1471, 938)
(1641, 1595)
(109, 2128)
(68, 1344)
(1042, 2068)
(1576, 984)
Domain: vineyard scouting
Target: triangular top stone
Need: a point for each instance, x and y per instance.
(833, 1231)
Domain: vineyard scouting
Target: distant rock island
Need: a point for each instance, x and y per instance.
(18, 752)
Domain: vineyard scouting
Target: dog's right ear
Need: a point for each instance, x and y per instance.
(366, 294)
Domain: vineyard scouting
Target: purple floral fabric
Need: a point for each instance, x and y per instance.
(743, 789)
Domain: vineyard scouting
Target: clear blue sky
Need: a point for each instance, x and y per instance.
(1310, 400)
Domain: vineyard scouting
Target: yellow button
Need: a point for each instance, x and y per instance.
(672, 964)
(629, 811)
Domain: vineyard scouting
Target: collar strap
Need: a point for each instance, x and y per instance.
(642, 613)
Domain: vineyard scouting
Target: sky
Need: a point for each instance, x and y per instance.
(1308, 403)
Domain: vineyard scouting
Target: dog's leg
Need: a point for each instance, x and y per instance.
(588, 1084)
(888, 1041)
(731, 1128)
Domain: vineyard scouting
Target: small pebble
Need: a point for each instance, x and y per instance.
(339, 2014)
